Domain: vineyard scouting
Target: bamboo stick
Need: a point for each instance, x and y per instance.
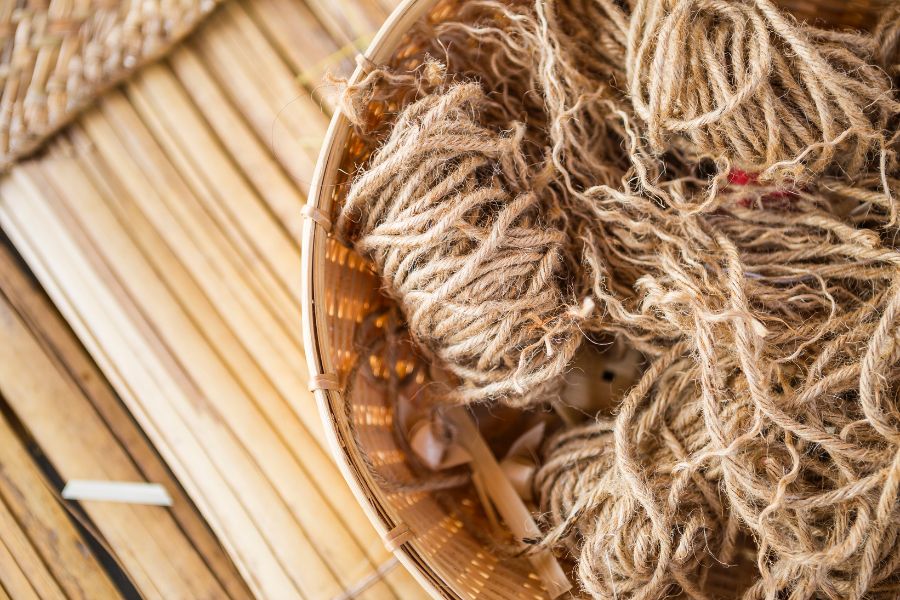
(293, 28)
(303, 44)
(266, 92)
(314, 460)
(148, 380)
(145, 538)
(191, 147)
(108, 437)
(3, 594)
(507, 502)
(180, 216)
(286, 89)
(13, 580)
(26, 502)
(294, 374)
(305, 505)
(185, 235)
(255, 459)
(286, 371)
(25, 555)
(348, 20)
(128, 218)
(271, 180)
(389, 5)
(280, 351)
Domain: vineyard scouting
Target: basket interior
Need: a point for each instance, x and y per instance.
(449, 546)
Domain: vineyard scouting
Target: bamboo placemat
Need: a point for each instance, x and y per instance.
(164, 225)
(40, 550)
(72, 419)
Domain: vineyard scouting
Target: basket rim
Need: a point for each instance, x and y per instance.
(316, 341)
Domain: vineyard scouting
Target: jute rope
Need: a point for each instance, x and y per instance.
(887, 41)
(741, 80)
(470, 252)
(613, 489)
(718, 182)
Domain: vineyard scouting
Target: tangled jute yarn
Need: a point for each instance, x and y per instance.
(735, 220)
(467, 246)
(788, 300)
(780, 292)
(887, 41)
(740, 83)
(614, 495)
(786, 296)
(741, 80)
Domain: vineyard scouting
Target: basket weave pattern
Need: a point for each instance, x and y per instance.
(57, 55)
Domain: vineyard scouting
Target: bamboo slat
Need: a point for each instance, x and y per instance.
(27, 558)
(305, 46)
(13, 578)
(261, 248)
(164, 226)
(349, 21)
(265, 90)
(178, 126)
(248, 152)
(37, 530)
(132, 357)
(389, 5)
(229, 400)
(76, 396)
(147, 541)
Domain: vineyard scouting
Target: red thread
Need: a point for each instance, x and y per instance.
(739, 177)
(773, 199)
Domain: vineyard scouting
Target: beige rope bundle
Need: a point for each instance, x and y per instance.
(468, 250)
(617, 486)
(740, 80)
(778, 295)
(766, 297)
(887, 41)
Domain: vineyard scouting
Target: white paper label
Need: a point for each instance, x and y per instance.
(117, 491)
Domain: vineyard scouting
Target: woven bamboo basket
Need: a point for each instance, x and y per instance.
(448, 555)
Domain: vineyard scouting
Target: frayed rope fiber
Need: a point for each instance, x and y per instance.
(747, 83)
(471, 253)
(710, 181)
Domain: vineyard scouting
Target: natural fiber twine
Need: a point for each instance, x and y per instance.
(584, 489)
(472, 255)
(718, 182)
(887, 41)
(748, 84)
